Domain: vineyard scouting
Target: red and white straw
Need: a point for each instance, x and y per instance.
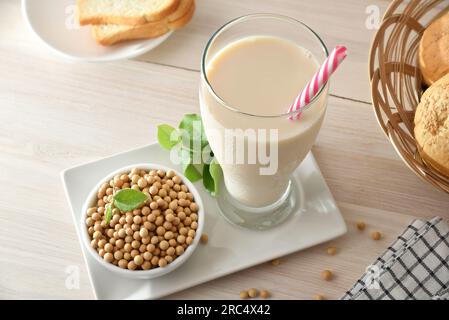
(318, 81)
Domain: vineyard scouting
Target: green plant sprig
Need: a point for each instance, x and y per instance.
(190, 140)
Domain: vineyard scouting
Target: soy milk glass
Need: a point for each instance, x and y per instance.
(252, 70)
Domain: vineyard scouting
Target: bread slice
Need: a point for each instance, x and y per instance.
(181, 21)
(184, 7)
(127, 12)
(110, 34)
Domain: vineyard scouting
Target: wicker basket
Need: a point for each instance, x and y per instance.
(396, 85)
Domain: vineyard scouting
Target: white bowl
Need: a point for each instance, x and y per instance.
(142, 274)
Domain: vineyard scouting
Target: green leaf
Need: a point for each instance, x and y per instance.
(188, 120)
(129, 199)
(167, 136)
(185, 157)
(108, 214)
(208, 181)
(192, 129)
(190, 171)
(216, 173)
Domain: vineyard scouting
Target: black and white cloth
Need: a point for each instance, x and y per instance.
(415, 266)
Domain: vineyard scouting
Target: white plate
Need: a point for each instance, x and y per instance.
(230, 248)
(54, 22)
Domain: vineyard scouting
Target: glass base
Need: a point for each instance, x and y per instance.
(259, 218)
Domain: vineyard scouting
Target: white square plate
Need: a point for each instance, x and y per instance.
(230, 248)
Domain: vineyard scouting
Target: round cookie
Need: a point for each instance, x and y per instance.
(434, 50)
(432, 125)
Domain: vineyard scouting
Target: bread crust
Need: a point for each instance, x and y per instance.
(434, 50)
(432, 126)
(185, 6)
(185, 19)
(146, 31)
(157, 15)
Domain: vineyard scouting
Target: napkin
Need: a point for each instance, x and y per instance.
(415, 266)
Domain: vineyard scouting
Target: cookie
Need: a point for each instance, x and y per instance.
(434, 50)
(432, 125)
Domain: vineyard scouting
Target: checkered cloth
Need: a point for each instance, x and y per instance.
(415, 266)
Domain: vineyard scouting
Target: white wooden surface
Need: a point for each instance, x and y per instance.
(55, 114)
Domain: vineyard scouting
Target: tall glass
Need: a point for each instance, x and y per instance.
(257, 194)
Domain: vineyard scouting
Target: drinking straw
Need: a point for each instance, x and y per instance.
(319, 79)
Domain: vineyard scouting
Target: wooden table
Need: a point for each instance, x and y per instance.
(55, 114)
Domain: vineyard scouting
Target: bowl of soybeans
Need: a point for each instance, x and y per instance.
(142, 221)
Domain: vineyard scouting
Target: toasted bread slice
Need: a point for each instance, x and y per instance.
(184, 7)
(127, 12)
(185, 19)
(110, 34)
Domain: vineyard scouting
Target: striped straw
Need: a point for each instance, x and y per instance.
(319, 79)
